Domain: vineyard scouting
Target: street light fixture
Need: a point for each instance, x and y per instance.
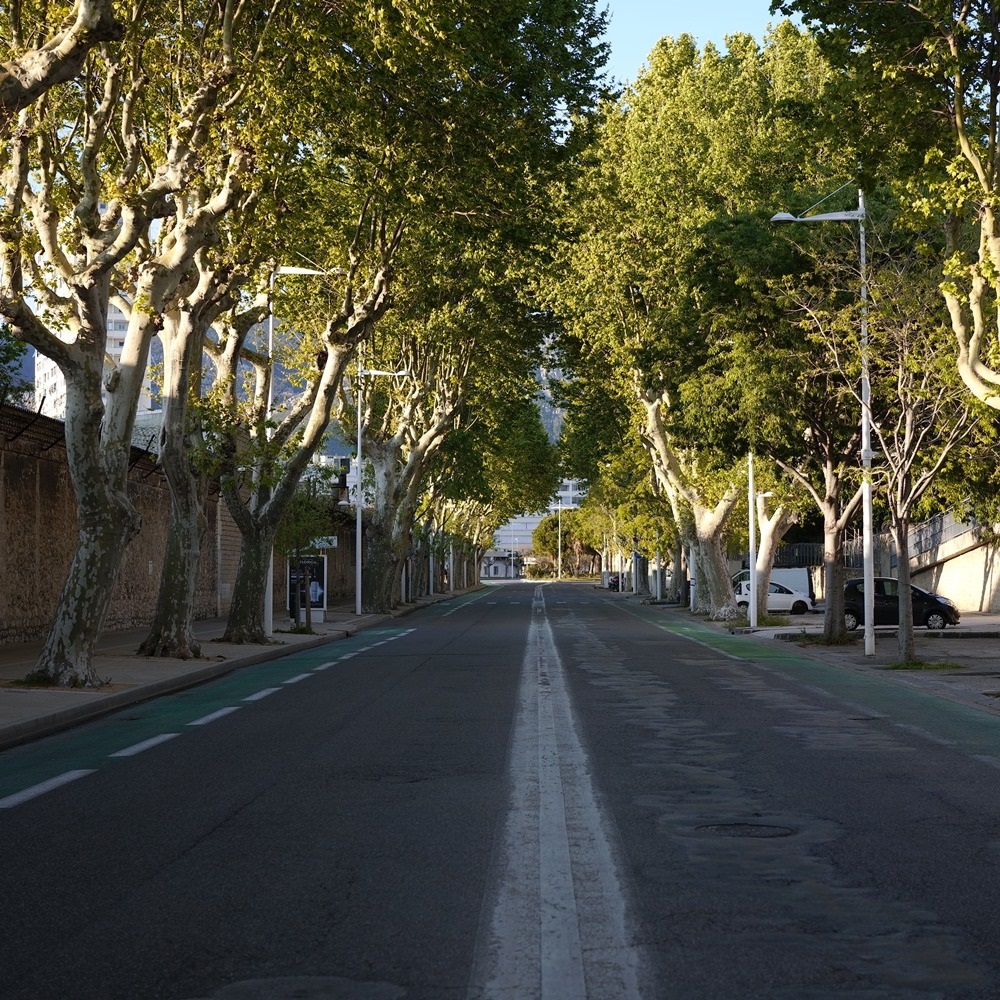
(857, 215)
(358, 498)
(289, 269)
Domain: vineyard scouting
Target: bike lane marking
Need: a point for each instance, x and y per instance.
(39, 766)
(924, 713)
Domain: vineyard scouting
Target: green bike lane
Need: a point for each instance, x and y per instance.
(32, 769)
(961, 727)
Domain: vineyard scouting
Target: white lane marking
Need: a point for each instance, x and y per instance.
(154, 741)
(559, 923)
(263, 693)
(41, 788)
(296, 678)
(323, 666)
(212, 716)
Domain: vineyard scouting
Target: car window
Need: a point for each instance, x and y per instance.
(777, 588)
(891, 588)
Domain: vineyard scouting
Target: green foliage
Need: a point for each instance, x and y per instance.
(311, 513)
(14, 389)
(667, 275)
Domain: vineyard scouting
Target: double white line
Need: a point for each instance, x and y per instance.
(558, 921)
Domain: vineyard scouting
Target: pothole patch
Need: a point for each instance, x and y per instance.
(754, 830)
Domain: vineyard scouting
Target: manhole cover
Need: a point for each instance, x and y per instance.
(758, 830)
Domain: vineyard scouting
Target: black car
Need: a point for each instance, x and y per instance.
(929, 609)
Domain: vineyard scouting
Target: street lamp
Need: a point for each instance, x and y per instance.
(571, 493)
(358, 498)
(751, 503)
(269, 586)
(857, 215)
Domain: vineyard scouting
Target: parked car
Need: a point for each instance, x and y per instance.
(779, 598)
(929, 609)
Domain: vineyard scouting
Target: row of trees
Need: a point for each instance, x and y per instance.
(173, 162)
(695, 331)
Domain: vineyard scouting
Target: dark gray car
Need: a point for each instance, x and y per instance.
(929, 609)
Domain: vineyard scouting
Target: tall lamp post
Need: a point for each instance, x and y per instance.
(858, 216)
(571, 494)
(269, 585)
(359, 502)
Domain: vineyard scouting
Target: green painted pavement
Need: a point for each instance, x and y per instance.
(962, 727)
(90, 746)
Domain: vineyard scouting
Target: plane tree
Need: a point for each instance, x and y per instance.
(47, 44)
(703, 138)
(111, 187)
(930, 72)
(462, 344)
(395, 159)
(921, 412)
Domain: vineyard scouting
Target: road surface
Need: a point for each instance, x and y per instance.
(535, 792)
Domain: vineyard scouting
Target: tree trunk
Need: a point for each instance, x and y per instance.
(833, 575)
(904, 638)
(381, 570)
(641, 569)
(172, 632)
(677, 574)
(246, 614)
(108, 522)
(772, 530)
(713, 567)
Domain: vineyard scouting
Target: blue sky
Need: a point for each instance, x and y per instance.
(636, 26)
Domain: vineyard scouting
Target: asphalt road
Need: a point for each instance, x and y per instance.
(530, 793)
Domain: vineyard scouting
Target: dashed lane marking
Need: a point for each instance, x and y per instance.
(154, 741)
(212, 716)
(40, 789)
(256, 696)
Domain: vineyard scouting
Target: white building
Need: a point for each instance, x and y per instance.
(50, 386)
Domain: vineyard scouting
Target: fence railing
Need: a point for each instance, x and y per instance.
(928, 536)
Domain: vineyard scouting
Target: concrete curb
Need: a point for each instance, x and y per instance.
(30, 729)
(14, 733)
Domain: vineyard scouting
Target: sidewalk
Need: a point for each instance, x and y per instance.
(27, 713)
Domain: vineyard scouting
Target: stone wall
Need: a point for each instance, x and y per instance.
(38, 535)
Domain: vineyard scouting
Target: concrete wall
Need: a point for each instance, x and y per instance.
(964, 569)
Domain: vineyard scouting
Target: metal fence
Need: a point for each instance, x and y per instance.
(925, 537)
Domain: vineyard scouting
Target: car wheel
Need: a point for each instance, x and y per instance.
(935, 620)
(743, 606)
(850, 621)
(799, 608)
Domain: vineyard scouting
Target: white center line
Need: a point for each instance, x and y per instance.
(296, 679)
(559, 923)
